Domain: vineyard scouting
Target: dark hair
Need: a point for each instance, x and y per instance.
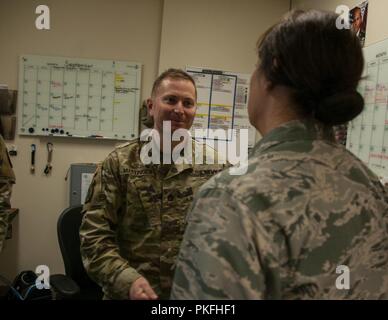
(319, 62)
(175, 74)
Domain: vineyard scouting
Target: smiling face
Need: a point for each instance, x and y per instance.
(175, 101)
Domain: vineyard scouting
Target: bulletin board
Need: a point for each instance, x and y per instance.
(222, 101)
(74, 97)
(368, 133)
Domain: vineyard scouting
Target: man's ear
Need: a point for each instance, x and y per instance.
(150, 107)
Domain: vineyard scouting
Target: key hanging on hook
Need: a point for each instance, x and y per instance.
(33, 150)
(49, 167)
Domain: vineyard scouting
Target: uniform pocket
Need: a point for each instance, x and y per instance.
(143, 201)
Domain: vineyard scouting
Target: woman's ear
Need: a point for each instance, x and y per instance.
(267, 84)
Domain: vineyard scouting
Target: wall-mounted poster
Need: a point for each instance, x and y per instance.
(358, 19)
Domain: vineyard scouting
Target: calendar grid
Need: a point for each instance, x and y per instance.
(79, 97)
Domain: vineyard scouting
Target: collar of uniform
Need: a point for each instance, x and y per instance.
(189, 164)
(294, 131)
(174, 169)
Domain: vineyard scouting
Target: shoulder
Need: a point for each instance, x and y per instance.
(358, 172)
(124, 157)
(256, 189)
(125, 151)
(128, 147)
(204, 150)
(206, 158)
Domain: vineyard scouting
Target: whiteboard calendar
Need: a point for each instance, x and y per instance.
(74, 97)
(368, 133)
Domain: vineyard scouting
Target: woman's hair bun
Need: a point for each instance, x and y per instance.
(339, 108)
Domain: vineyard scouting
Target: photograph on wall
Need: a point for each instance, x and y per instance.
(358, 20)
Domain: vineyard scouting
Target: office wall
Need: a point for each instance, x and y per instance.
(377, 26)
(218, 33)
(119, 29)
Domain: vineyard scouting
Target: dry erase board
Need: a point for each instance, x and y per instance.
(368, 133)
(74, 97)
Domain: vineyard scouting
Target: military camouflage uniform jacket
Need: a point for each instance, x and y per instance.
(7, 178)
(305, 207)
(134, 219)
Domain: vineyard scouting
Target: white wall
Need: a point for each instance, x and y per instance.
(219, 33)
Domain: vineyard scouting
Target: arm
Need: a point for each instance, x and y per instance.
(99, 249)
(7, 178)
(224, 250)
(5, 195)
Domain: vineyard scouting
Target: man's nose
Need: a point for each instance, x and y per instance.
(178, 108)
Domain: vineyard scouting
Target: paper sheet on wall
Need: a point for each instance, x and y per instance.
(222, 101)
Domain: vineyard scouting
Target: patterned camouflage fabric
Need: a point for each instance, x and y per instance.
(146, 121)
(134, 219)
(305, 206)
(7, 178)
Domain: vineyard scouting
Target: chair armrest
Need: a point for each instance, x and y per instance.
(64, 287)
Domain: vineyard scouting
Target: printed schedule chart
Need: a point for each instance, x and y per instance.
(222, 102)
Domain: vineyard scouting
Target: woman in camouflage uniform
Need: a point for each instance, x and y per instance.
(309, 219)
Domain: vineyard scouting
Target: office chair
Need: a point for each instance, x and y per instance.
(69, 242)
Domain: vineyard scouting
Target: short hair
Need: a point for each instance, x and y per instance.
(321, 64)
(175, 74)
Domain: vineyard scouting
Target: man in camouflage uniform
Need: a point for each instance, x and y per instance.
(134, 213)
(7, 178)
(268, 234)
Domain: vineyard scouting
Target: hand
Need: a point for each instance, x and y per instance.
(141, 290)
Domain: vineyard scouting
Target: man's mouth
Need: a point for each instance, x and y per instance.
(177, 121)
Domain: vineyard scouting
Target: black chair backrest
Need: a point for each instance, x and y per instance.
(68, 226)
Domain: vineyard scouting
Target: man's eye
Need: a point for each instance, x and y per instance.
(188, 104)
(170, 100)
